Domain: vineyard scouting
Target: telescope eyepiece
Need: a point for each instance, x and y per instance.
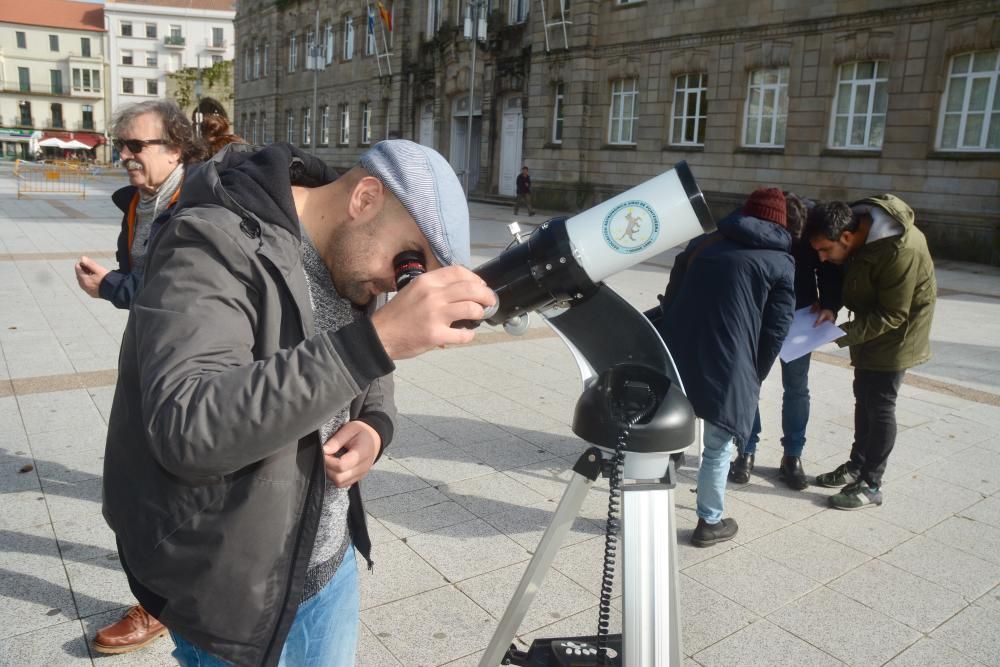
(408, 265)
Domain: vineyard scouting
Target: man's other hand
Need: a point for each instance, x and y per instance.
(825, 315)
(419, 317)
(89, 275)
(350, 452)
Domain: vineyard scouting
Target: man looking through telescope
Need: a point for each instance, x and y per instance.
(255, 391)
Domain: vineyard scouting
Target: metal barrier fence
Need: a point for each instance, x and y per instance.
(56, 178)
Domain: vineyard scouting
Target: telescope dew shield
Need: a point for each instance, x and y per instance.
(639, 223)
(564, 260)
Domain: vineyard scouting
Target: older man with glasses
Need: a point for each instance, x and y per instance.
(156, 141)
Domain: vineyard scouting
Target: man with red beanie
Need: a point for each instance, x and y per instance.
(725, 314)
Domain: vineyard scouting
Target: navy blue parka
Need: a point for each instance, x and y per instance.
(727, 309)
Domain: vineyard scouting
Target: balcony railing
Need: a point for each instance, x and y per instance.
(174, 41)
(215, 44)
(37, 89)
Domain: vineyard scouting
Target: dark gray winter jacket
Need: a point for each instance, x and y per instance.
(213, 476)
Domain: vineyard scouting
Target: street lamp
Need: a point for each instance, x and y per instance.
(475, 31)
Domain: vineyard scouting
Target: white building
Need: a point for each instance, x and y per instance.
(149, 39)
(52, 75)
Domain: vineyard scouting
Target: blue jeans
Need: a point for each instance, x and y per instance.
(713, 471)
(323, 634)
(794, 409)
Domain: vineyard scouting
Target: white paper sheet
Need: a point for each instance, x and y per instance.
(803, 337)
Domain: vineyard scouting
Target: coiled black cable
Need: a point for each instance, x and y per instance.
(611, 530)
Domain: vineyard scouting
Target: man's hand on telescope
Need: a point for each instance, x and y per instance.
(419, 317)
(350, 452)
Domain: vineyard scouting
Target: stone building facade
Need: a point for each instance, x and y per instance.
(832, 100)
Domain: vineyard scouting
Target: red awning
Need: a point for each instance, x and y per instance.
(90, 138)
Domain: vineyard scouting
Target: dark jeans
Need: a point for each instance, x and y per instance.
(874, 422)
(794, 409)
(524, 199)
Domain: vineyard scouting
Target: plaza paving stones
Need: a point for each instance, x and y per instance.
(480, 460)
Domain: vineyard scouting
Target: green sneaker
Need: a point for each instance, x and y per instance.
(856, 496)
(838, 478)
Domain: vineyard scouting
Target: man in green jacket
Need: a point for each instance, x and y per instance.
(890, 288)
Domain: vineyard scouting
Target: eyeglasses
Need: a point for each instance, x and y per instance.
(135, 146)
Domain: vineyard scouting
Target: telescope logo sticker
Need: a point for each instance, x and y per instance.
(631, 227)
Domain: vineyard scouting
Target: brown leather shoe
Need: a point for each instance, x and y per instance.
(134, 631)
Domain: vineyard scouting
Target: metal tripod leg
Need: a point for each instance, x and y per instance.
(586, 470)
(651, 607)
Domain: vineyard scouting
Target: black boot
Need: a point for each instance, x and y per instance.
(792, 473)
(707, 534)
(740, 469)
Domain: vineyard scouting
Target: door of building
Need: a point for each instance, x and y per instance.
(459, 135)
(511, 135)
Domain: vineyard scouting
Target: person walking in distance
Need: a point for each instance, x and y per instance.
(524, 192)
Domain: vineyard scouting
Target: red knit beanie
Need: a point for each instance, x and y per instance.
(766, 204)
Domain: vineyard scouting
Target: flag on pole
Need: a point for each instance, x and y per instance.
(386, 16)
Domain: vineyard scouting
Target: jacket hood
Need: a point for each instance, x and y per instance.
(753, 232)
(898, 209)
(256, 182)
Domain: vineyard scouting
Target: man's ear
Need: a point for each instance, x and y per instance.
(367, 198)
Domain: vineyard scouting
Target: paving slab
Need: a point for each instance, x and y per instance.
(764, 644)
(973, 632)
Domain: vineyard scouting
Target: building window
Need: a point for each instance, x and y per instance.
(126, 58)
(435, 15)
(152, 87)
(766, 108)
(366, 123)
(151, 59)
(125, 28)
(517, 11)
(345, 124)
(57, 115)
(128, 86)
(970, 112)
(85, 47)
(24, 79)
(253, 128)
(176, 35)
(267, 48)
(173, 62)
(86, 80)
(53, 42)
(370, 32)
(218, 40)
(348, 37)
(310, 50)
(860, 104)
(22, 39)
(623, 113)
(256, 61)
(293, 53)
(557, 115)
(324, 125)
(151, 30)
(263, 127)
(216, 59)
(55, 78)
(88, 117)
(289, 126)
(307, 127)
(246, 63)
(24, 113)
(328, 43)
(687, 123)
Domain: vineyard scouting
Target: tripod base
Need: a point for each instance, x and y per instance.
(566, 652)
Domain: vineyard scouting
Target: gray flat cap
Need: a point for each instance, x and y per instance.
(426, 185)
